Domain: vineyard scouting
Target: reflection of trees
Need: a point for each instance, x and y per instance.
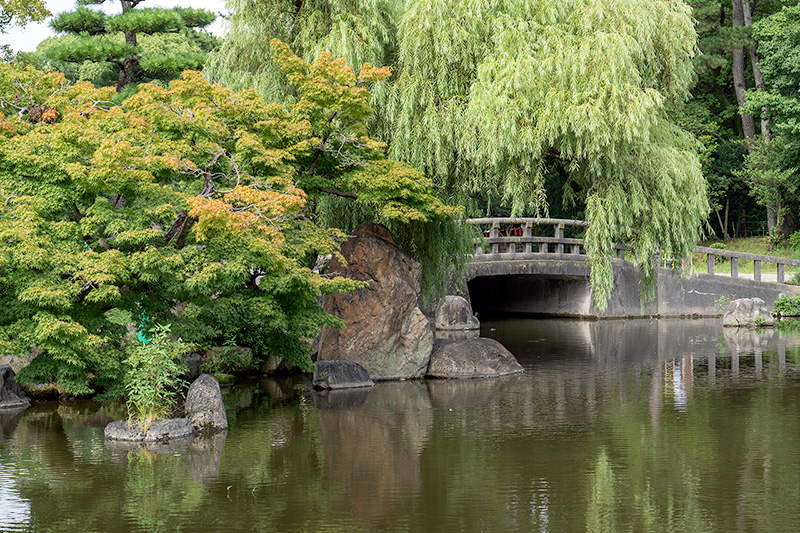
(595, 442)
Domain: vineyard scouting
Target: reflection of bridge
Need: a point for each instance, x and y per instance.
(526, 265)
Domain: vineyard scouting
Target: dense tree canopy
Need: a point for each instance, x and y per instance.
(493, 96)
(182, 206)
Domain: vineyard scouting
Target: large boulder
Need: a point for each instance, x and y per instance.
(472, 358)
(455, 313)
(340, 375)
(385, 330)
(159, 430)
(11, 394)
(747, 312)
(204, 407)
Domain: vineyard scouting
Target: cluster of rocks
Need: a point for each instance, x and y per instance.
(387, 336)
(205, 413)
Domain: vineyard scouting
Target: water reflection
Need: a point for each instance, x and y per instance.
(628, 425)
(372, 451)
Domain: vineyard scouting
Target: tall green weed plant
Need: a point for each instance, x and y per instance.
(153, 377)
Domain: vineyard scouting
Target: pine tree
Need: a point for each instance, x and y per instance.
(115, 39)
(491, 96)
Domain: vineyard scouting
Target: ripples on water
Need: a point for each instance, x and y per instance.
(631, 425)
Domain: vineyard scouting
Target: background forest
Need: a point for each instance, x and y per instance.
(134, 189)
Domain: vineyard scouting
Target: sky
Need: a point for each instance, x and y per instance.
(26, 39)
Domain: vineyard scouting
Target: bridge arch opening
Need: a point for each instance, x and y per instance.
(530, 294)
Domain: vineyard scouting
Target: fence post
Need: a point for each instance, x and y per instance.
(560, 235)
(527, 233)
(494, 233)
(711, 262)
(781, 272)
(757, 270)
(734, 267)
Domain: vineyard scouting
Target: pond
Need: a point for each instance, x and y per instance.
(617, 425)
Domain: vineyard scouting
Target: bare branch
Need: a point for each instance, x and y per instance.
(337, 192)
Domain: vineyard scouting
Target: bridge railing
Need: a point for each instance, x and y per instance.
(780, 262)
(505, 236)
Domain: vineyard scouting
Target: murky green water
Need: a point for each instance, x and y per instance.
(615, 426)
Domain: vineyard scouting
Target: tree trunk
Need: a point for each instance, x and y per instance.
(129, 64)
(748, 125)
(754, 61)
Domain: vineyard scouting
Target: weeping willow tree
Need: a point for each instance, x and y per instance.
(488, 96)
(361, 31)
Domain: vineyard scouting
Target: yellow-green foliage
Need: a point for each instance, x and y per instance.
(185, 205)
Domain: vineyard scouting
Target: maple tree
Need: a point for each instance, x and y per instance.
(185, 205)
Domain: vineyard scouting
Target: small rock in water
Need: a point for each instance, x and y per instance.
(204, 407)
(473, 358)
(747, 312)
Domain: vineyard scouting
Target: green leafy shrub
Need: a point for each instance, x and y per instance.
(787, 306)
(152, 377)
(794, 241)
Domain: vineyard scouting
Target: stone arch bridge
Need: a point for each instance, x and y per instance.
(534, 266)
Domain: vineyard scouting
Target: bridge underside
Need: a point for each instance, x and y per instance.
(530, 294)
(558, 285)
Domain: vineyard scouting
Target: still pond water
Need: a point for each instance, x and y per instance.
(638, 425)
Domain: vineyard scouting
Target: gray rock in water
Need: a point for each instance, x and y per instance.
(159, 430)
(747, 312)
(385, 330)
(455, 313)
(11, 394)
(340, 375)
(204, 407)
(473, 358)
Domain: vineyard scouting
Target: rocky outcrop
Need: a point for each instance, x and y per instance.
(159, 430)
(455, 313)
(340, 375)
(272, 365)
(473, 358)
(747, 312)
(385, 330)
(204, 407)
(11, 394)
